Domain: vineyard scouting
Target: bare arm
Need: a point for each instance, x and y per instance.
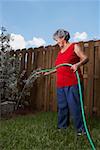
(50, 72)
(83, 58)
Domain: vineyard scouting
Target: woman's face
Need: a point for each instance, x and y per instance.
(60, 42)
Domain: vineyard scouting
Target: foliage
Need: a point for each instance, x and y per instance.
(9, 69)
(14, 86)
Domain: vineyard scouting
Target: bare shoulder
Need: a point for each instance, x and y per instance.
(77, 48)
(79, 51)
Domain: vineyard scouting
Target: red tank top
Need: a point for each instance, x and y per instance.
(66, 76)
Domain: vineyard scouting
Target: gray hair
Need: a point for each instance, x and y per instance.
(60, 33)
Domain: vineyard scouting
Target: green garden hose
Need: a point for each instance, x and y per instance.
(81, 101)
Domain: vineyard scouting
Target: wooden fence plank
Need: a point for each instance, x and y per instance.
(90, 89)
(85, 79)
(39, 80)
(53, 77)
(33, 96)
(46, 98)
(48, 89)
(82, 48)
(23, 53)
(97, 92)
(29, 61)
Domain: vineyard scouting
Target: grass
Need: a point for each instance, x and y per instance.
(39, 132)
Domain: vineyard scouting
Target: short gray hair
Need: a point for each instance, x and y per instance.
(60, 33)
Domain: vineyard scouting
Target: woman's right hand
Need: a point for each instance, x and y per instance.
(46, 73)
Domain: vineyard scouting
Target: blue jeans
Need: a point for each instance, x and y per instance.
(69, 101)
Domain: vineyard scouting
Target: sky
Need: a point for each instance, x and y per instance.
(32, 23)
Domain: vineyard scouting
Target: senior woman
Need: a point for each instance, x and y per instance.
(68, 99)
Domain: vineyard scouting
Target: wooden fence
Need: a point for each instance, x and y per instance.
(43, 93)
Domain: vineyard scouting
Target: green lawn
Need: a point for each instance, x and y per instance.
(39, 132)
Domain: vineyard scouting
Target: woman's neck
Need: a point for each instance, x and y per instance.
(66, 45)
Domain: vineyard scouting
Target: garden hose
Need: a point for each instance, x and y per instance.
(81, 101)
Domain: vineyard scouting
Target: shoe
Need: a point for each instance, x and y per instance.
(61, 129)
(81, 133)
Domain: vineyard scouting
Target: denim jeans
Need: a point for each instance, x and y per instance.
(68, 100)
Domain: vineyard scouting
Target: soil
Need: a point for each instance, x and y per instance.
(20, 112)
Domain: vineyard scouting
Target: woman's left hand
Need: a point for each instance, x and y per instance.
(74, 67)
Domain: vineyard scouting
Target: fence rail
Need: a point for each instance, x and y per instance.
(43, 93)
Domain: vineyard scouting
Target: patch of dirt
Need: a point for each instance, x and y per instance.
(20, 112)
